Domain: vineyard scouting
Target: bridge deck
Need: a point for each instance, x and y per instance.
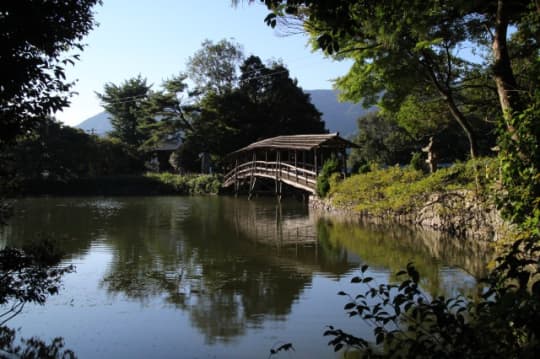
(301, 176)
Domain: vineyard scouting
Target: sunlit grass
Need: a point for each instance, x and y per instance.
(401, 189)
(189, 183)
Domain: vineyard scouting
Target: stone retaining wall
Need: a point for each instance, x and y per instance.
(459, 213)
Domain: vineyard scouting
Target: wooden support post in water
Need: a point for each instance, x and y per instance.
(252, 183)
(315, 162)
(304, 164)
(296, 166)
(278, 176)
(344, 154)
(252, 178)
(236, 185)
(277, 173)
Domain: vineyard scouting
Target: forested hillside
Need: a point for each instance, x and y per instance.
(338, 116)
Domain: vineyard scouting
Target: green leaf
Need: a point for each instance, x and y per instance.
(420, 45)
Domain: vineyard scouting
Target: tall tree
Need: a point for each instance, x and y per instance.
(127, 104)
(282, 106)
(35, 36)
(267, 103)
(381, 140)
(215, 66)
(385, 138)
(399, 46)
(173, 108)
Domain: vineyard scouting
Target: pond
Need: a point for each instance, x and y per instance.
(216, 277)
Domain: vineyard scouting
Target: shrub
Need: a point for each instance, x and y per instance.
(187, 184)
(364, 168)
(330, 166)
(417, 162)
(408, 323)
(402, 189)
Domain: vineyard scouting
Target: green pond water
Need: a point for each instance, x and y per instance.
(216, 277)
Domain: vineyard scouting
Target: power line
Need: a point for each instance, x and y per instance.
(264, 76)
(137, 97)
(294, 61)
(127, 99)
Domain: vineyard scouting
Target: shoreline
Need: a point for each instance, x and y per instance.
(458, 213)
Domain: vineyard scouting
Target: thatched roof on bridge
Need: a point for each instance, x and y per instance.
(299, 142)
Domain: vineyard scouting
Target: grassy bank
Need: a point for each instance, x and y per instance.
(125, 185)
(187, 184)
(403, 189)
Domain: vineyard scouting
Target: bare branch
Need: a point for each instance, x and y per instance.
(362, 48)
(448, 64)
(14, 311)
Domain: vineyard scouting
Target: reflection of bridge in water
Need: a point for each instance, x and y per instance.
(286, 236)
(271, 226)
(294, 160)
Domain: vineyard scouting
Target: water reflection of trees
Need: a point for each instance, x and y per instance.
(73, 222)
(392, 247)
(200, 261)
(229, 263)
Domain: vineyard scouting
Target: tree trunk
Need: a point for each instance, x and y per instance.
(447, 95)
(465, 125)
(505, 81)
(467, 128)
(460, 118)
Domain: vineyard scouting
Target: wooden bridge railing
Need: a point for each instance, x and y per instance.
(300, 176)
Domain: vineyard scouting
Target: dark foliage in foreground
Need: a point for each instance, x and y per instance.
(34, 38)
(33, 348)
(409, 324)
(29, 275)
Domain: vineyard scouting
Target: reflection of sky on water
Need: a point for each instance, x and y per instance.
(163, 276)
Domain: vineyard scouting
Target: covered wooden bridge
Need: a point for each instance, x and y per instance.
(294, 160)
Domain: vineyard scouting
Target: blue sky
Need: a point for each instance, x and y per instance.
(155, 39)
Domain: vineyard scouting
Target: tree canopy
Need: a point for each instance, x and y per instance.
(35, 36)
(261, 101)
(173, 111)
(127, 105)
(279, 101)
(214, 67)
(404, 47)
(266, 103)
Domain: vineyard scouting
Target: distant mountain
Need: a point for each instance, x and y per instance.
(98, 124)
(338, 116)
